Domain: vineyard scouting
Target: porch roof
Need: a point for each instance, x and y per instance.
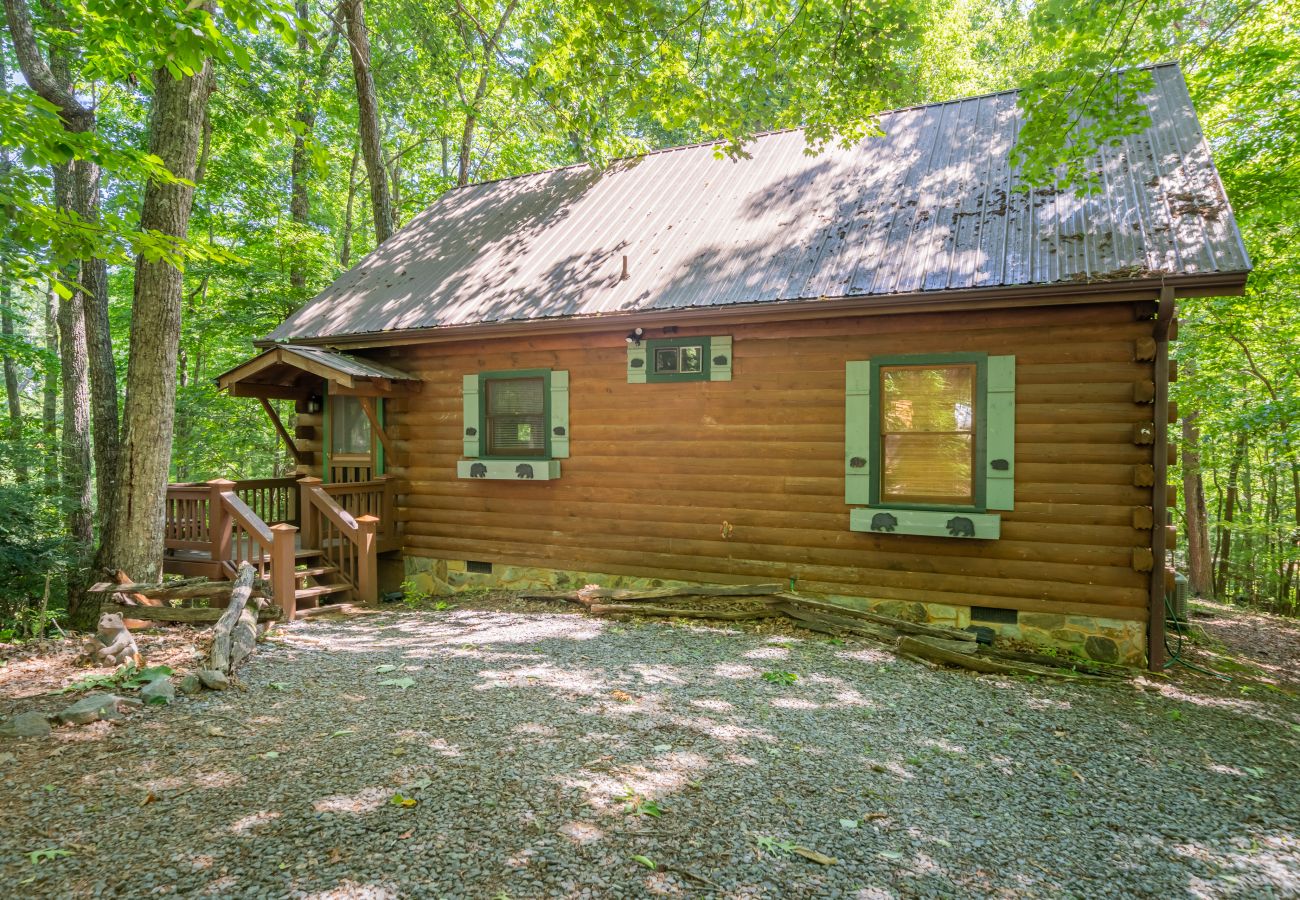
(290, 371)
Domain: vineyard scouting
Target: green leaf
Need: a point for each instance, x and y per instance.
(402, 683)
(36, 857)
(645, 861)
(381, 670)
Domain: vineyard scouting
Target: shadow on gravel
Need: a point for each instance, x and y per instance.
(486, 753)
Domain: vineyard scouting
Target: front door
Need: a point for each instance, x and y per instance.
(354, 454)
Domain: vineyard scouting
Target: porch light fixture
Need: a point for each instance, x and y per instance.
(634, 336)
(314, 404)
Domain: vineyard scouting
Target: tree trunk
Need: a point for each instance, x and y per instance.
(1199, 564)
(368, 119)
(77, 496)
(99, 346)
(13, 400)
(466, 147)
(134, 543)
(1224, 554)
(311, 82)
(50, 399)
(345, 254)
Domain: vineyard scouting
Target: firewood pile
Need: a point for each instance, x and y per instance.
(928, 644)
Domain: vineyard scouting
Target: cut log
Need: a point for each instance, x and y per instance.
(235, 634)
(590, 594)
(936, 631)
(837, 625)
(953, 653)
(148, 589)
(636, 609)
(184, 614)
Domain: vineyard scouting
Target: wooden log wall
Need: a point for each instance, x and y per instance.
(742, 480)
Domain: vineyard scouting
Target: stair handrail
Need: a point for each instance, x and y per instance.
(360, 532)
(276, 542)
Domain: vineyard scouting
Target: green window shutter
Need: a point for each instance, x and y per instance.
(471, 424)
(719, 350)
(636, 363)
(559, 422)
(328, 434)
(380, 461)
(857, 432)
(1000, 443)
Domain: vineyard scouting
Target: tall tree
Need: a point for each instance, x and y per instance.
(311, 84)
(134, 540)
(480, 38)
(1200, 574)
(54, 82)
(13, 399)
(371, 132)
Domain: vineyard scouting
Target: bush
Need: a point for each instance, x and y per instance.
(32, 547)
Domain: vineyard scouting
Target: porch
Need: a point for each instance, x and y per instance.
(316, 544)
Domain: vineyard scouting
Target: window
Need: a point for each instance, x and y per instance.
(930, 444)
(927, 434)
(515, 416)
(679, 359)
(516, 424)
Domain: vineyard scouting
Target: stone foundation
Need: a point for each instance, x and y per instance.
(1100, 639)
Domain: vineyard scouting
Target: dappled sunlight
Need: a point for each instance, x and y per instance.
(573, 682)
(735, 671)
(942, 744)
(659, 674)
(670, 772)
(767, 653)
(869, 655)
(251, 822)
(1253, 708)
(365, 801)
(350, 890)
(794, 703)
(219, 780)
(714, 705)
(582, 832)
(1044, 703)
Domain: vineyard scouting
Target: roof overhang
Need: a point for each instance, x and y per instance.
(292, 372)
(1210, 284)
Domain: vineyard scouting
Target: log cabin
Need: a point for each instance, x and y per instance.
(885, 373)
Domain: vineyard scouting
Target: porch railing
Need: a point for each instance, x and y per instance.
(346, 542)
(211, 526)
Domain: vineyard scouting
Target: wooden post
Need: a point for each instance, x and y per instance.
(306, 521)
(367, 560)
(387, 509)
(219, 521)
(284, 581)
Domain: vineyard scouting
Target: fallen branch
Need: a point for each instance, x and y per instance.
(836, 624)
(634, 609)
(184, 614)
(591, 593)
(953, 653)
(235, 634)
(902, 625)
(148, 589)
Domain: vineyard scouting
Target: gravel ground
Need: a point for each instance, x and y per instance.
(531, 747)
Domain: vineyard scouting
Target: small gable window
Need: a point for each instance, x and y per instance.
(679, 359)
(516, 424)
(930, 444)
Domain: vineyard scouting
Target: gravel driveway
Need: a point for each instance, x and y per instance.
(531, 749)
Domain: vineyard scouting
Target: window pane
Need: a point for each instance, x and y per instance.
(666, 359)
(927, 468)
(516, 416)
(927, 398)
(692, 359)
(350, 427)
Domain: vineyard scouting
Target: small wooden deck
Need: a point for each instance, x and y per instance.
(314, 543)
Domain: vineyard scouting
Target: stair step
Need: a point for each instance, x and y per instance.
(315, 571)
(306, 554)
(331, 608)
(320, 591)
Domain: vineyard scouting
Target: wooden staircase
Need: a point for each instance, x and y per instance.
(318, 588)
(329, 562)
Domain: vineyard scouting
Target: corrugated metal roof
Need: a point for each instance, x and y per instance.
(347, 364)
(930, 207)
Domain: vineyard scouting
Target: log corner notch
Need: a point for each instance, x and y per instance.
(1161, 333)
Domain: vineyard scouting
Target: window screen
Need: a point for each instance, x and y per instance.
(515, 416)
(350, 427)
(927, 434)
